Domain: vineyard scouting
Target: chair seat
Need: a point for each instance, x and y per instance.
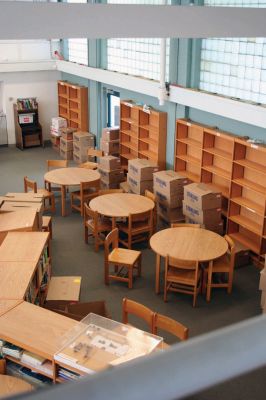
(89, 165)
(123, 256)
(87, 193)
(45, 192)
(221, 265)
(103, 225)
(137, 227)
(182, 276)
(46, 221)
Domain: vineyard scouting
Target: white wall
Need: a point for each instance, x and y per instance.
(30, 84)
(24, 50)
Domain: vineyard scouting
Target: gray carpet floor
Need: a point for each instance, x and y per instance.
(71, 256)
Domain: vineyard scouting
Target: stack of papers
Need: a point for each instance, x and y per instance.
(12, 350)
(32, 359)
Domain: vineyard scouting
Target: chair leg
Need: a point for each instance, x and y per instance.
(165, 292)
(86, 233)
(129, 240)
(139, 266)
(53, 203)
(106, 273)
(96, 243)
(230, 283)
(209, 284)
(195, 296)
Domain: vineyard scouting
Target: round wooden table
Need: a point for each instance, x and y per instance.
(120, 205)
(186, 244)
(9, 385)
(70, 177)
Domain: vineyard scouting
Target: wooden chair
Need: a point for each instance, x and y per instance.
(138, 228)
(123, 260)
(90, 164)
(179, 225)
(169, 325)
(137, 309)
(47, 225)
(97, 226)
(182, 276)
(110, 191)
(225, 266)
(88, 190)
(51, 164)
(152, 197)
(30, 185)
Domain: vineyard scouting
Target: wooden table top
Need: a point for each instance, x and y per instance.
(121, 204)
(10, 385)
(189, 244)
(7, 305)
(71, 176)
(30, 196)
(21, 205)
(22, 219)
(23, 246)
(15, 278)
(35, 329)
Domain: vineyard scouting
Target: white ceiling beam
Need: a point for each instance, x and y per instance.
(31, 20)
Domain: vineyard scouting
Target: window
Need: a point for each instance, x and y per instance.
(78, 48)
(140, 57)
(113, 104)
(234, 67)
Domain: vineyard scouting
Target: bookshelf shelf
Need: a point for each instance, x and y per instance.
(217, 171)
(75, 101)
(147, 128)
(189, 159)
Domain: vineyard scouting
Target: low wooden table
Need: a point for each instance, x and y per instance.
(70, 177)
(10, 385)
(120, 205)
(186, 244)
(24, 220)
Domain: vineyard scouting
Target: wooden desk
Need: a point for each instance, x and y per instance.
(118, 205)
(23, 246)
(7, 305)
(25, 220)
(31, 197)
(35, 329)
(187, 244)
(70, 177)
(10, 385)
(15, 278)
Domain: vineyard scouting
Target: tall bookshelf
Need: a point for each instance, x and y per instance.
(235, 167)
(73, 105)
(142, 134)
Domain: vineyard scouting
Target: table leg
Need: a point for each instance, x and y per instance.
(63, 200)
(157, 274)
(113, 223)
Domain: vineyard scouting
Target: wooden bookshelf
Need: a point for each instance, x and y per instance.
(28, 130)
(142, 134)
(235, 167)
(73, 105)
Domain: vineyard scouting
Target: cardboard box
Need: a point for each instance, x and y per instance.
(59, 122)
(242, 255)
(217, 228)
(208, 216)
(169, 183)
(201, 196)
(67, 133)
(109, 134)
(55, 132)
(169, 200)
(170, 214)
(55, 140)
(125, 186)
(110, 163)
(65, 144)
(64, 288)
(111, 147)
(82, 150)
(142, 169)
(66, 155)
(116, 176)
(139, 187)
(79, 158)
(106, 185)
(84, 138)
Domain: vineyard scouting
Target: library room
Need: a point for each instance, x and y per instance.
(133, 199)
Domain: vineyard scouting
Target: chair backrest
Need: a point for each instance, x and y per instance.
(137, 309)
(95, 153)
(109, 191)
(183, 264)
(150, 195)
(110, 240)
(169, 325)
(146, 216)
(231, 250)
(179, 225)
(56, 164)
(29, 184)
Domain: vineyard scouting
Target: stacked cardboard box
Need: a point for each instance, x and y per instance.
(140, 175)
(82, 141)
(262, 287)
(168, 187)
(66, 143)
(111, 172)
(125, 187)
(202, 205)
(109, 143)
(57, 124)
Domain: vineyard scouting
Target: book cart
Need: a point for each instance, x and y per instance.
(235, 167)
